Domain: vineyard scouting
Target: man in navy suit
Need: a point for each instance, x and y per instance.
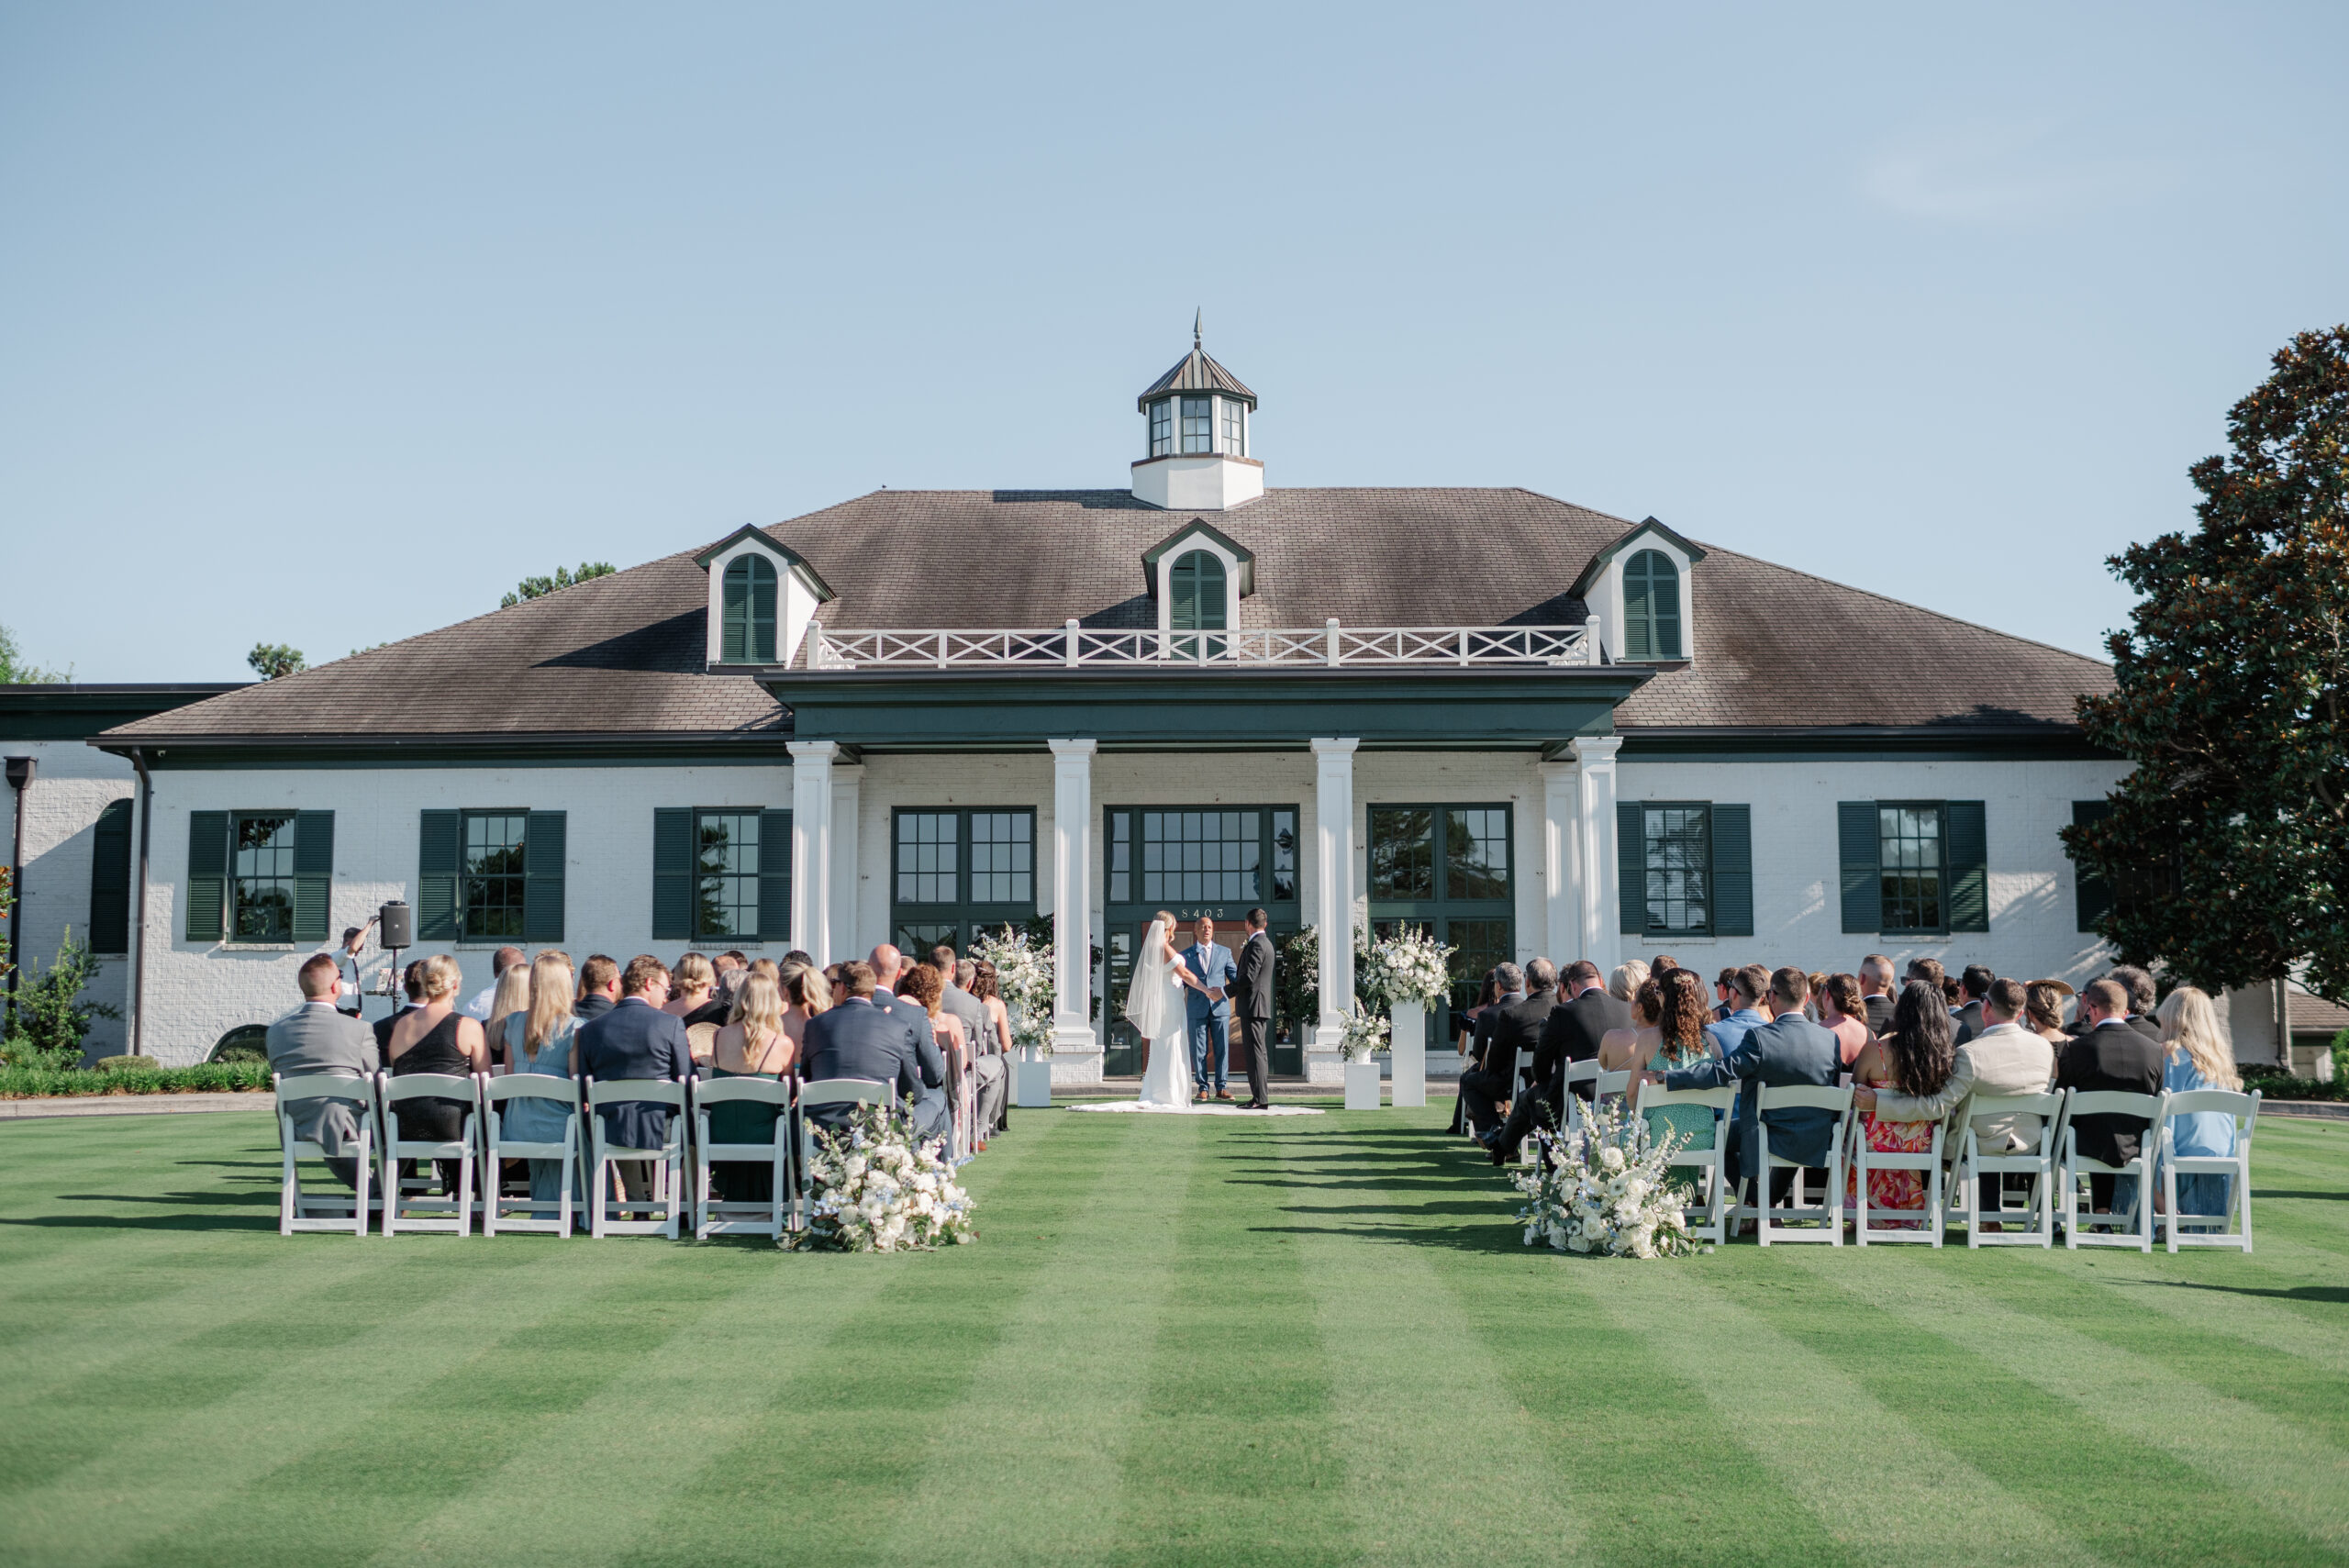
(931, 1111)
(1209, 1011)
(856, 1039)
(1786, 1050)
(636, 1040)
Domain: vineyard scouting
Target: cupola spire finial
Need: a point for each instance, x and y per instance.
(1197, 317)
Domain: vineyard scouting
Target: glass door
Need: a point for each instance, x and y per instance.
(1446, 870)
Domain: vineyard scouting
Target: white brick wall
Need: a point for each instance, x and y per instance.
(71, 784)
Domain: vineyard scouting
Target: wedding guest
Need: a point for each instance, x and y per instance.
(1917, 1057)
(481, 1008)
(1663, 963)
(2109, 1056)
(989, 1076)
(2199, 1058)
(1672, 1036)
(599, 987)
(923, 986)
(855, 1039)
(755, 1043)
(1787, 1048)
(1975, 984)
(1627, 978)
(1843, 1013)
(691, 984)
(2006, 1059)
(805, 996)
(772, 971)
(2140, 1000)
(318, 1039)
(513, 996)
(635, 1040)
(1512, 1034)
(436, 1038)
(412, 988)
(2044, 1001)
(1572, 1030)
(542, 1038)
(1724, 994)
(996, 1038)
(1747, 991)
(1467, 1026)
(1876, 990)
(1928, 970)
(931, 1108)
(729, 963)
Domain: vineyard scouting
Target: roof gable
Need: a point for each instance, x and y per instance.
(792, 558)
(1647, 528)
(1196, 528)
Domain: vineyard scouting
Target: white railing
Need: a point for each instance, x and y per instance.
(1332, 646)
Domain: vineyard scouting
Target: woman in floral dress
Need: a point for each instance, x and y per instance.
(1915, 1057)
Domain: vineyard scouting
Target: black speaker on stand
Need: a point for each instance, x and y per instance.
(395, 932)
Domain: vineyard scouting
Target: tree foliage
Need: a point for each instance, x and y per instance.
(275, 660)
(540, 588)
(53, 1018)
(16, 670)
(2228, 844)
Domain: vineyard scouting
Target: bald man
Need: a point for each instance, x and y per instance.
(931, 1113)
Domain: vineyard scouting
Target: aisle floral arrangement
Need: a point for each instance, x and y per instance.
(1606, 1188)
(1410, 966)
(1366, 1034)
(1023, 975)
(874, 1188)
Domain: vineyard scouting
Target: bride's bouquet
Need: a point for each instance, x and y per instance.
(1023, 974)
(1606, 1188)
(874, 1189)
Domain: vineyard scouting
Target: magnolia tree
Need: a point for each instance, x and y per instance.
(2226, 848)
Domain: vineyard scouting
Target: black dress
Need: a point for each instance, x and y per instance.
(434, 1120)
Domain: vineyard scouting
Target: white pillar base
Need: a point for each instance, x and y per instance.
(1408, 1052)
(1361, 1085)
(1323, 1062)
(1031, 1084)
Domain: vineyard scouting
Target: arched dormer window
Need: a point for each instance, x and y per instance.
(1650, 607)
(1198, 603)
(748, 611)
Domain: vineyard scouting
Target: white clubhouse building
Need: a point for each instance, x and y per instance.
(1534, 728)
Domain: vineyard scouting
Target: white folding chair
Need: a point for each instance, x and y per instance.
(2235, 1167)
(1828, 1213)
(536, 1215)
(2140, 1219)
(1608, 1084)
(1709, 1220)
(2038, 1163)
(662, 1213)
(814, 1096)
(443, 1215)
(1927, 1227)
(721, 1217)
(337, 1211)
(1578, 1072)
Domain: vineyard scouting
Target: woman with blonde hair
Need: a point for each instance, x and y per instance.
(436, 1038)
(2199, 1058)
(512, 996)
(542, 1040)
(754, 1044)
(1628, 976)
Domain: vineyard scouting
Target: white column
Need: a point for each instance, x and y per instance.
(811, 847)
(1562, 876)
(1602, 924)
(1072, 905)
(1333, 909)
(848, 788)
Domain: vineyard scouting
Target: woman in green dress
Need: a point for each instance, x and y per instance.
(1674, 1000)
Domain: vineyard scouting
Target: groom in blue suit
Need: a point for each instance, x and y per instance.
(1209, 1011)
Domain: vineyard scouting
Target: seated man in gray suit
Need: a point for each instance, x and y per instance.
(1788, 1050)
(988, 1077)
(931, 1111)
(855, 1038)
(316, 1037)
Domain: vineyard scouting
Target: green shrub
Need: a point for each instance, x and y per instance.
(126, 1064)
(210, 1077)
(2276, 1085)
(52, 1021)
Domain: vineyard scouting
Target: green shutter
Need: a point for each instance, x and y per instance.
(1965, 840)
(775, 876)
(207, 874)
(1632, 866)
(1856, 836)
(2092, 894)
(673, 874)
(544, 841)
(1733, 870)
(110, 880)
(1639, 641)
(734, 610)
(763, 586)
(439, 850)
(313, 874)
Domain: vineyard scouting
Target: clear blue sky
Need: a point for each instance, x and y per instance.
(323, 324)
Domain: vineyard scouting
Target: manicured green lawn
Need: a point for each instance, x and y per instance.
(1179, 1340)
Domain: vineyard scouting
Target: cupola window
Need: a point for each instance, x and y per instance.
(1650, 607)
(1162, 427)
(1197, 585)
(1235, 428)
(748, 611)
(1198, 422)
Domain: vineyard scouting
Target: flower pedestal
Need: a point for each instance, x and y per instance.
(1361, 1085)
(1031, 1083)
(1407, 1051)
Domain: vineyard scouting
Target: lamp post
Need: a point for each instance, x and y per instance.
(20, 777)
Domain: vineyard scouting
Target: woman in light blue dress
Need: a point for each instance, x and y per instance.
(542, 1040)
(1671, 1012)
(2199, 1058)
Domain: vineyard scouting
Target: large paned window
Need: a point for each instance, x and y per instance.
(1197, 602)
(1162, 427)
(1235, 428)
(721, 874)
(1446, 870)
(1198, 423)
(1650, 607)
(955, 873)
(725, 873)
(496, 875)
(260, 880)
(747, 628)
(1677, 854)
(1914, 867)
(1908, 841)
(490, 876)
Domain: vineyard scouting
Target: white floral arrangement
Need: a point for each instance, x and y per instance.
(874, 1188)
(1365, 1035)
(1023, 975)
(1606, 1188)
(1410, 966)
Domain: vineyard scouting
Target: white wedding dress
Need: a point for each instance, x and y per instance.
(1154, 1007)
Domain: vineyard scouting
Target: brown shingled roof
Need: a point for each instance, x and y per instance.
(624, 654)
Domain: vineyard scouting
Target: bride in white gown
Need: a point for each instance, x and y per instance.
(1154, 1005)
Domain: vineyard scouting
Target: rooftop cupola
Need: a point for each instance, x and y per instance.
(1195, 419)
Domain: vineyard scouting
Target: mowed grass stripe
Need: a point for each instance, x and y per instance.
(1883, 1488)
(1026, 1467)
(1453, 1421)
(833, 1455)
(1231, 1459)
(69, 1190)
(2286, 1468)
(2296, 1315)
(275, 1410)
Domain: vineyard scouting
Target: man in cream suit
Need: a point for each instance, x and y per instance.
(2004, 1059)
(313, 1039)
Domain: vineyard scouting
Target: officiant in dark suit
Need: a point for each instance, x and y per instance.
(1251, 995)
